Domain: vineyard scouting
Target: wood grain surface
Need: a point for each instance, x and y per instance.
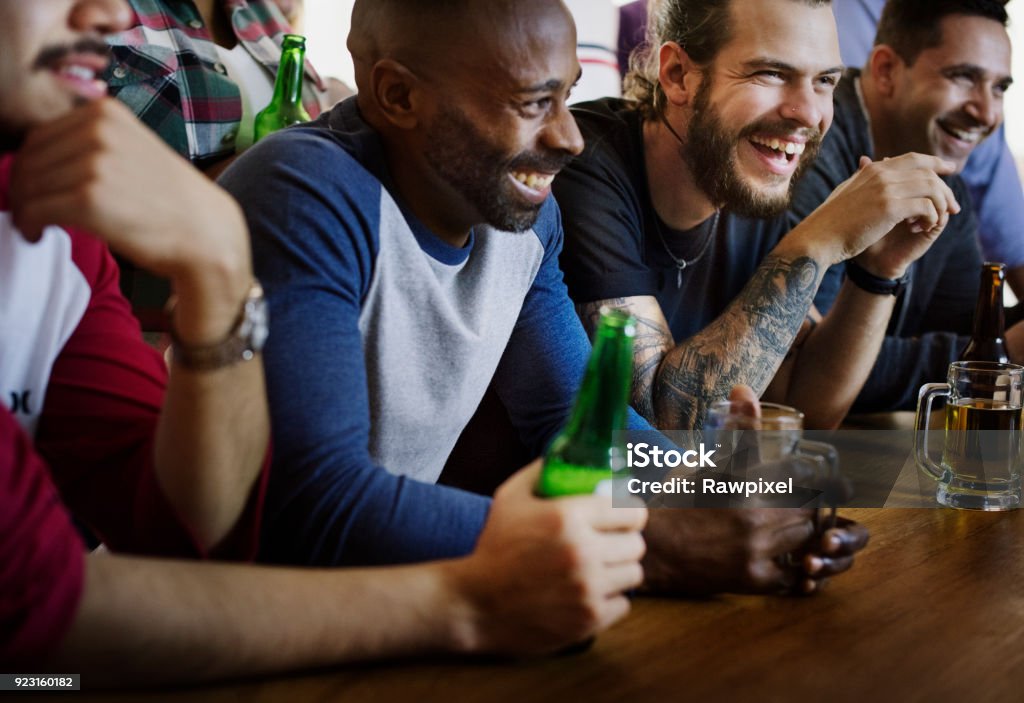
(933, 611)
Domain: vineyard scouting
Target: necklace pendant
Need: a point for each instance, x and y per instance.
(679, 277)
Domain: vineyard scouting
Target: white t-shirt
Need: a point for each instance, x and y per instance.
(255, 85)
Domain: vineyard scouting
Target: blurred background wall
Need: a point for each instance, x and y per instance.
(326, 24)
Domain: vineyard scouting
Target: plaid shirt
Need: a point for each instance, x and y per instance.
(166, 68)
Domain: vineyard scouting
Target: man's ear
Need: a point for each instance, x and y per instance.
(885, 67)
(397, 92)
(678, 75)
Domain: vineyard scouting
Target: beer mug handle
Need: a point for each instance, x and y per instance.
(924, 410)
(830, 482)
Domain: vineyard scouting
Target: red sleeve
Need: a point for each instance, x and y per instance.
(98, 428)
(41, 554)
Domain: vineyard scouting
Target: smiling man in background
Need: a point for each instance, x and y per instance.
(934, 84)
(990, 173)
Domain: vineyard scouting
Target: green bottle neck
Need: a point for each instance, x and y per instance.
(603, 399)
(288, 86)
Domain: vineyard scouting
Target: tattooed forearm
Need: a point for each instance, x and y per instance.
(652, 342)
(674, 384)
(590, 313)
(746, 344)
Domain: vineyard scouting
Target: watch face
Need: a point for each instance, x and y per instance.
(242, 343)
(260, 325)
(255, 328)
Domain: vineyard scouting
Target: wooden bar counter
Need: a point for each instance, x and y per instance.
(933, 611)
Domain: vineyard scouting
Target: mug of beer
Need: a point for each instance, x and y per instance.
(981, 454)
(771, 447)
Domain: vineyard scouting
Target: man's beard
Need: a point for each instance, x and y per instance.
(710, 152)
(479, 171)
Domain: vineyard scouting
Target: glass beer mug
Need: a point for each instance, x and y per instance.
(773, 448)
(981, 454)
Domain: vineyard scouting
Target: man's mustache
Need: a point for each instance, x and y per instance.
(542, 163)
(781, 130)
(51, 56)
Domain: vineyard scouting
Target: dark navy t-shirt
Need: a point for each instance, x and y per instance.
(926, 331)
(615, 244)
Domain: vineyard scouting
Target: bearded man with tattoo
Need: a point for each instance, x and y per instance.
(674, 211)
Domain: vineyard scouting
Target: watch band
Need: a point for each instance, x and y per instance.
(865, 280)
(245, 339)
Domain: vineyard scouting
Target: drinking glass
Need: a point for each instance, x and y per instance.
(981, 452)
(772, 447)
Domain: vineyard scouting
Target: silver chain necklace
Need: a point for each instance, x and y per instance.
(682, 264)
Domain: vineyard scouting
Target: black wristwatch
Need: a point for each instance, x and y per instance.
(242, 343)
(865, 280)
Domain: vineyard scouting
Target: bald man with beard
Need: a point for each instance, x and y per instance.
(409, 245)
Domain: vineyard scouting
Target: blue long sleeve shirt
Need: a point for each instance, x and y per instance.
(383, 341)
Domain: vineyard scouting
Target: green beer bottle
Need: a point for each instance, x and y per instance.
(587, 452)
(285, 107)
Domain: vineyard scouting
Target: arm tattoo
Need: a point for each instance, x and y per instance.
(746, 344)
(652, 342)
(590, 313)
